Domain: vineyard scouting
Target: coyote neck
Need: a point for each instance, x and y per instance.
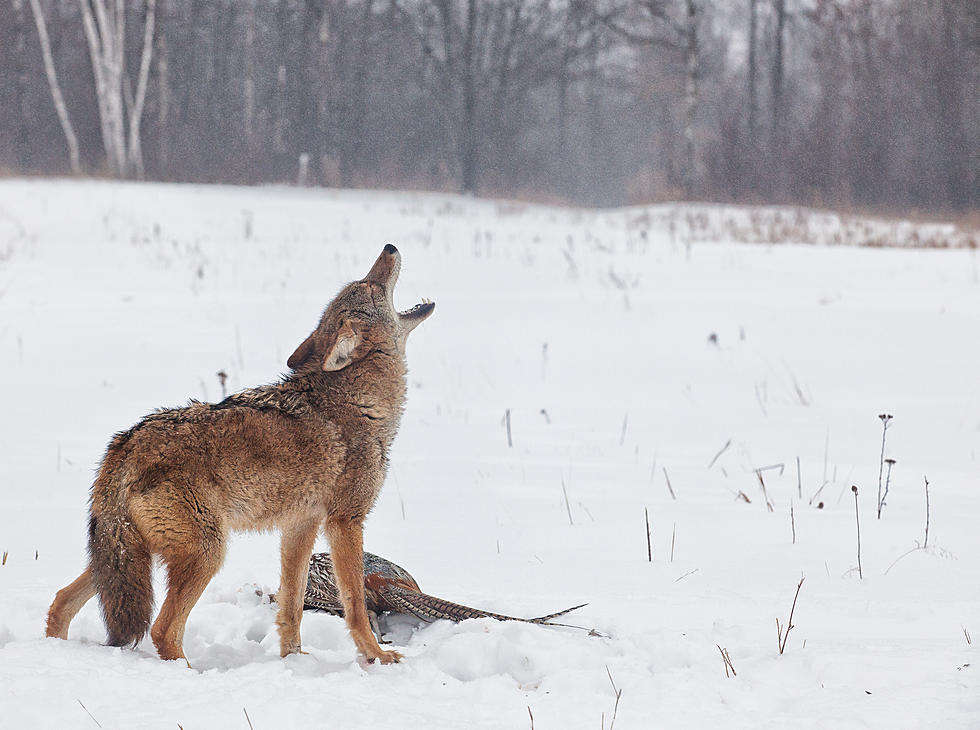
(372, 392)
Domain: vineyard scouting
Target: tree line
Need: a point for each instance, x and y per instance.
(870, 103)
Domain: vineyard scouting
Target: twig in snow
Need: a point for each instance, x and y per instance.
(619, 694)
(248, 719)
(720, 452)
(804, 401)
(622, 435)
(669, 488)
(4, 558)
(532, 716)
(966, 633)
(646, 516)
(792, 521)
(222, 380)
(568, 507)
(857, 518)
(925, 542)
(765, 494)
(88, 713)
(690, 572)
(799, 479)
(728, 662)
(510, 442)
(781, 635)
(895, 562)
(673, 535)
(817, 494)
(885, 419)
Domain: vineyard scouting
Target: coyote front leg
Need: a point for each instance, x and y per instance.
(297, 547)
(347, 549)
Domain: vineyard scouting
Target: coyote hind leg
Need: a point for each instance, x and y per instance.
(187, 577)
(68, 602)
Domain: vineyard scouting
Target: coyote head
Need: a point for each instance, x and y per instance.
(361, 320)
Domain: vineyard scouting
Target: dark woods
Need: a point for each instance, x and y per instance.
(872, 103)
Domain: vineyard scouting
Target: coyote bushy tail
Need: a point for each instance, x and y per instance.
(119, 559)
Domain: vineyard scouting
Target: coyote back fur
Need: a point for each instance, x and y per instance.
(306, 454)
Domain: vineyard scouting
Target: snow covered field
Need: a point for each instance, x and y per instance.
(625, 353)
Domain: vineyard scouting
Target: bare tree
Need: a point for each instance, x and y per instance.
(59, 101)
(662, 24)
(753, 71)
(778, 111)
(104, 22)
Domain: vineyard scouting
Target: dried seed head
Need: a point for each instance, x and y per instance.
(890, 461)
(854, 488)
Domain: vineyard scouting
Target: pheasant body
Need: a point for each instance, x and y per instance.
(389, 588)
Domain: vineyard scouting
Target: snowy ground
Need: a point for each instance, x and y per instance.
(595, 330)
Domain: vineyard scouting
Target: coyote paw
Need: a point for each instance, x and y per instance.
(387, 657)
(285, 651)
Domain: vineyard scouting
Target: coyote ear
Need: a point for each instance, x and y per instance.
(302, 353)
(341, 353)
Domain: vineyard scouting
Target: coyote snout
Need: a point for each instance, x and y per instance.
(306, 454)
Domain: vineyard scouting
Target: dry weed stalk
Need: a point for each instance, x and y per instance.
(88, 713)
(885, 420)
(619, 694)
(720, 452)
(925, 542)
(669, 487)
(857, 518)
(568, 507)
(762, 485)
(646, 516)
(781, 635)
(728, 662)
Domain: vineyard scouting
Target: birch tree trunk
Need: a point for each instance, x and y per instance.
(104, 22)
(163, 94)
(59, 101)
(135, 150)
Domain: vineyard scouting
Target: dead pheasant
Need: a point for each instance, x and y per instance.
(390, 588)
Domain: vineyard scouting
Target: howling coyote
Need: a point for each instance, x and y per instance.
(308, 453)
